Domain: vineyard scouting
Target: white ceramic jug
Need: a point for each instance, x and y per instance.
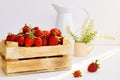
(64, 18)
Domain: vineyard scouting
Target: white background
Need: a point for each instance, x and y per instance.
(15, 13)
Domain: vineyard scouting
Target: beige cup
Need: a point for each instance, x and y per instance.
(82, 49)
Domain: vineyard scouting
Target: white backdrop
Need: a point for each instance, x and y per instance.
(15, 13)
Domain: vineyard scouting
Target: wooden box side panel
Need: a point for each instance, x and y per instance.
(3, 65)
(39, 71)
(2, 48)
(28, 52)
(39, 64)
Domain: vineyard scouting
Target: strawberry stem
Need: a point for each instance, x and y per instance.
(22, 28)
(9, 33)
(54, 34)
(31, 34)
(25, 24)
(96, 61)
(81, 75)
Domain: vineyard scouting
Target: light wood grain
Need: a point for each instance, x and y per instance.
(38, 71)
(15, 60)
(27, 52)
(37, 65)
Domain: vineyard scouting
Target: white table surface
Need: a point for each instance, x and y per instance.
(109, 59)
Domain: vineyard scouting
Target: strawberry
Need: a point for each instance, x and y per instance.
(55, 31)
(20, 39)
(60, 33)
(93, 67)
(46, 34)
(26, 28)
(35, 28)
(38, 41)
(26, 35)
(38, 33)
(29, 42)
(11, 37)
(77, 73)
(53, 40)
(44, 41)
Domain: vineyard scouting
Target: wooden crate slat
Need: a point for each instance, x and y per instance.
(19, 67)
(2, 48)
(3, 65)
(26, 52)
(36, 64)
(38, 71)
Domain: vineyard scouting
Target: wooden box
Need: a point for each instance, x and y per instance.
(15, 60)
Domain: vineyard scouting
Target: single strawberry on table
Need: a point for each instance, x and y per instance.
(77, 73)
(93, 67)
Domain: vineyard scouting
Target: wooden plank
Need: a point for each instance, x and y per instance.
(38, 71)
(11, 43)
(27, 52)
(2, 48)
(44, 63)
(3, 64)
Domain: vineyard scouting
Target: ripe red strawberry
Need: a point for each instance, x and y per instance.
(38, 33)
(35, 28)
(11, 37)
(38, 41)
(46, 34)
(26, 35)
(26, 28)
(60, 33)
(44, 41)
(20, 39)
(53, 40)
(29, 42)
(55, 31)
(93, 67)
(77, 73)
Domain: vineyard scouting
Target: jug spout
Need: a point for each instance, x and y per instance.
(60, 9)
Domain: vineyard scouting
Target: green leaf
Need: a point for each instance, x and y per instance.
(71, 34)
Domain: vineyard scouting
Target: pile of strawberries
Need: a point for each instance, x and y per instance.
(29, 36)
